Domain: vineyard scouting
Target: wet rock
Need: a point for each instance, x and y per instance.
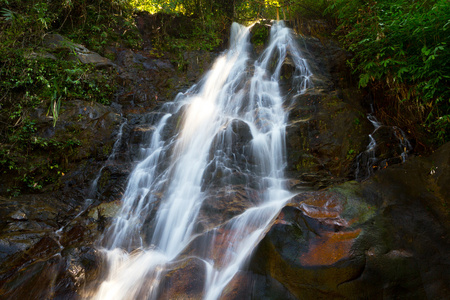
(92, 128)
(111, 183)
(24, 222)
(143, 127)
(57, 42)
(11, 244)
(19, 215)
(146, 82)
(39, 256)
(388, 146)
(327, 125)
(240, 287)
(248, 285)
(380, 238)
(51, 275)
(231, 156)
(328, 62)
(40, 279)
(309, 246)
(198, 62)
(93, 124)
(225, 203)
(173, 123)
(140, 139)
(82, 266)
(287, 70)
(35, 268)
(415, 211)
(89, 261)
(105, 210)
(185, 280)
(325, 134)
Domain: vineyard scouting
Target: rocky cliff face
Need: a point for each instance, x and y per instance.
(384, 237)
(47, 238)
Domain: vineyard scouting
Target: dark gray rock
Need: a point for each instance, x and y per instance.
(384, 238)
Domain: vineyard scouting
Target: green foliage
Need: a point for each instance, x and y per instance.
(211, 19)
(309, 9)
(206, 35)
(25, 22)
(32, 84)
(186, 29)
(30, 77)
(36, 80)
(95, 23)
(195, 8)
(21, 157)
(250, 11)
(260, 35)
(404, 45)
(155, 6)
(30, 81)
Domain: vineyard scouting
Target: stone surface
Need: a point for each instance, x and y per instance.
(327, 124)
(56, 42)
(384, 238)
(224, 204)
(185, 280)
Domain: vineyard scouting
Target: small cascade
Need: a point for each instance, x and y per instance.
(111, 158)
(93, 187)
(221, 139)
(374, 121)
(388, 145)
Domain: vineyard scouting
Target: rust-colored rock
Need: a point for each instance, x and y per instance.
(185, 280)
(330, 248)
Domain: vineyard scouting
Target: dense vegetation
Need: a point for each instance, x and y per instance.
(35, 77)
(401, 52)
(400, 48)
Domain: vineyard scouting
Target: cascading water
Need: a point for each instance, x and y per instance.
(226, 131)
(396, 146)
(93, 187)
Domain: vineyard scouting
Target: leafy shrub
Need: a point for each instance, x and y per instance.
(32, 78)
(403, 47)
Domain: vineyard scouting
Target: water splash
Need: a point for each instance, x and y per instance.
(110, 160)
(388, 144)
(227, 131)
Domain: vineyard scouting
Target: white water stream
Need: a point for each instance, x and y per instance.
(366, 161)
(173, 178)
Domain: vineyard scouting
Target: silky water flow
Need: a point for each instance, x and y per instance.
(226, 131)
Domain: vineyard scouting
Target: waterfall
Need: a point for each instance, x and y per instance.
(225, 133)
(376, 156)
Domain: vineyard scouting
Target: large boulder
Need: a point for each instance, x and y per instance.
(327, 123)
(324, 135)
(79, 53)
(225, 203)
(44, 248)
(184, 280)
(384, 238)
